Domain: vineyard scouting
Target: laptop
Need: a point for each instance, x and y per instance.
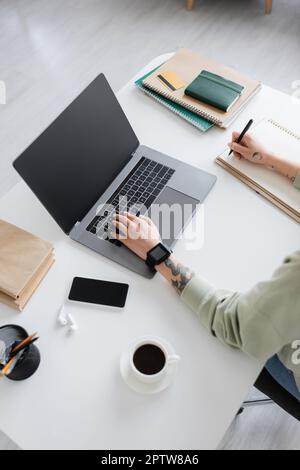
(89, 159)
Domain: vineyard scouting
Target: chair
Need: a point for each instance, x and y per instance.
(268, 5)
(276, 393)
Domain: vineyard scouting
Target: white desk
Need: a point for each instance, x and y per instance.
(77, 399)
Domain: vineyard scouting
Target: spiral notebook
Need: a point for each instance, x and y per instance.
(187, 66)
(194, 119)
(270, 184)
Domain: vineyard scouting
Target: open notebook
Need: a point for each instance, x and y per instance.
(275, 187)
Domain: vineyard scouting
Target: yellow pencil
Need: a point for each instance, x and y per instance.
(5, 369)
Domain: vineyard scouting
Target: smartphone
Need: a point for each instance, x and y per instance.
(94, 291)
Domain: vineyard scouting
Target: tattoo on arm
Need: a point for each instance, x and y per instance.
(181, 275)
(291, 178)
(257, 157)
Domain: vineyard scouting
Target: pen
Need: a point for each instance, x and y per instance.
(242, 135)
(10, 365)
(13, 354)
(26, 341)
(5, 369)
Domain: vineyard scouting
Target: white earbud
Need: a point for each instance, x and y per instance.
(61, 318)
(72, 324)
(64, 319)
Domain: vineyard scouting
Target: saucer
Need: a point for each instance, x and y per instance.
(147, 388)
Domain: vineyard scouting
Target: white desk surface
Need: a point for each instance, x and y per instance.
(77, 399)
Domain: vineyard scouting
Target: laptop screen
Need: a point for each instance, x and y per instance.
(77, 157)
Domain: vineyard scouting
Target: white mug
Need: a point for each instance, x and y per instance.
(169, 359)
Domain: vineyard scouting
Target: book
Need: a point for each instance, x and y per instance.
(22, 300)
(193, 118)
(24, 261)
(187, 65)
(214, 90)
(267, 182)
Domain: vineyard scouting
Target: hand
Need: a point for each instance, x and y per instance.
(139, 234)
(249, 149)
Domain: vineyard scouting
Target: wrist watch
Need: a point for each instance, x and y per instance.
(158, 255)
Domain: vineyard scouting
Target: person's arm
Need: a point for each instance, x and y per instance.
(286, 168)
(259, 322)
(175, 273)
(140, 235)
(253, 151)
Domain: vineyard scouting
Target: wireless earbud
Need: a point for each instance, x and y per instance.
(72, 324)
(64, 319)
(61, 318)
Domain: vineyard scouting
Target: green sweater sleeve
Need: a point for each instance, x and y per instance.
(261, 321)
(297, 181)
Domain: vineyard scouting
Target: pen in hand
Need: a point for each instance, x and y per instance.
(242, 134)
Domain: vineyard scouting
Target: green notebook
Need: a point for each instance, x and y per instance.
(189, 116)
(214, 90)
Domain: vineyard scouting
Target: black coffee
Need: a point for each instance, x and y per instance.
(149, 359)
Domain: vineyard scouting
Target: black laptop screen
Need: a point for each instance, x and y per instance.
(77, 157)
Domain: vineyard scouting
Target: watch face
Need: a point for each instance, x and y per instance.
(158, 252)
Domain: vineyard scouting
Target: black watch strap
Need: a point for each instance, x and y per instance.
(158, 255)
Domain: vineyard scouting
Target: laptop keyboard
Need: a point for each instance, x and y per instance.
(141, 187)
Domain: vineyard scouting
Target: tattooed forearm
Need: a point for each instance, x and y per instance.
(257, 157)
(288, 175)
(180, 275)
(174, 267)
(283, 166)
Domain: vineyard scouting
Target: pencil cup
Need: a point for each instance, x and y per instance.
(29, 361)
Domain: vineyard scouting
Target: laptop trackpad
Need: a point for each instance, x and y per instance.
(174, 212)
(194, 182)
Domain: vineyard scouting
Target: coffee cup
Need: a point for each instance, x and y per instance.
(150, 359)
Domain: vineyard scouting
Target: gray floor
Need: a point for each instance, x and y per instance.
(50, 50)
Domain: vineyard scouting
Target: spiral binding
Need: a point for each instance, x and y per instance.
(188, 119)
(284, 129)
(188, 106)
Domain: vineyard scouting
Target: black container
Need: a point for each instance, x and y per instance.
(30, 359)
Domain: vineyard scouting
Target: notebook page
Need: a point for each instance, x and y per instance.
(280, 142)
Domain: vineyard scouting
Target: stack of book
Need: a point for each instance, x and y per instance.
(201, 91)
(24, 262)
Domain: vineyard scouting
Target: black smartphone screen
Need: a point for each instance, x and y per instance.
(94, 291)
